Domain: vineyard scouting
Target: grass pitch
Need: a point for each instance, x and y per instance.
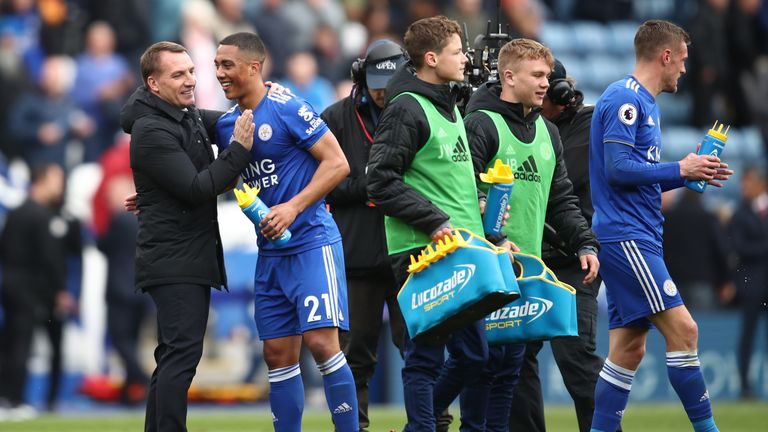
(730, 417)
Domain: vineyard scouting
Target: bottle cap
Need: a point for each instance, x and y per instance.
(246, 196)
(499, 173)
(718, 133)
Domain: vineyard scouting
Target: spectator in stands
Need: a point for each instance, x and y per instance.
(749, 235)
(470, 12)
(710, 72)
(22, 23)
(279, 33)
(695, 251)
(101, 86)
(744, 47)
(331, 62)
(230, 19)
(45, 121)
(755, 85)
(197, 35)
(34, 246)
(130, 20)
(13, 83)
(303, 80)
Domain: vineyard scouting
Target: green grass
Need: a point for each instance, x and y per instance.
(731, 417)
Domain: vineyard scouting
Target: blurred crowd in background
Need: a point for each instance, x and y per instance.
(67, 66)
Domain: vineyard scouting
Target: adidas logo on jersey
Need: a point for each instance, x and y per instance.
(528, 171)
(341, 409)
(620, 413)
(460, 153)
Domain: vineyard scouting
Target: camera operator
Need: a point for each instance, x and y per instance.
(575, 356)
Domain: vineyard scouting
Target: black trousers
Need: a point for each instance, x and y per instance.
(366, 297)
(182, 316)
(575, 357)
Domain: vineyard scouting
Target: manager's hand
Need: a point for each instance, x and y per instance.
(244, 127)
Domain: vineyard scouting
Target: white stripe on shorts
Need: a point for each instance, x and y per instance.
(650, 276)
(641, 277)
(331, 281)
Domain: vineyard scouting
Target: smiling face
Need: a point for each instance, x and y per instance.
(235, 71)
(174, 79)
(528, 82)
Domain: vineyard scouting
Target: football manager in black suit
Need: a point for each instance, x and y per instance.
(178, 254)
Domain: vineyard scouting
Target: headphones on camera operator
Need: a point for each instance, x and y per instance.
(560, 91)
(378, 52)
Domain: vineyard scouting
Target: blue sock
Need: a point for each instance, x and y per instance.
(685, 375)
(286, 398)
(340, 392)
(611, 395)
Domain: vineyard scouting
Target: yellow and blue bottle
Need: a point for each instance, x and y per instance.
(253, 207)
(713, 144)
(501, 180)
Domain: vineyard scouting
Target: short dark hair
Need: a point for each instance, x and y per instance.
(428, 34)
(248, 42)
(654, 35)
(150, 60)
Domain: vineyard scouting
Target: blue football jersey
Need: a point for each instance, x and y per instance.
(626, 114)
(281, 166)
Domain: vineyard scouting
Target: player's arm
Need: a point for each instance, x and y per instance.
(399, 137)
(332, 169)
(156, 151)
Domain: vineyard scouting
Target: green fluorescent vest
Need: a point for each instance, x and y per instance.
(442, 172)
(533, 165)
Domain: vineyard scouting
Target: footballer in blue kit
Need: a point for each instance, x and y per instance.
(627, 178)
(300, 287)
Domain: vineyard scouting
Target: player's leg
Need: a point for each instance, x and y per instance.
(631, 298)
(318, 289)
(527, 411)
(278, 327)
(575, 356)
(626, 350)
(360, 343)
(683, 367)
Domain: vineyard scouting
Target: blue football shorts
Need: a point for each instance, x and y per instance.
(300, 292)
(637, 282)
